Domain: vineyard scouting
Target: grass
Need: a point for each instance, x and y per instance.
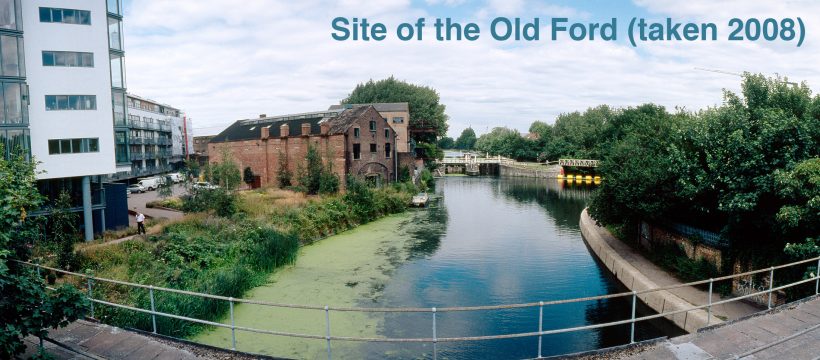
(224, 256)
(174, 203)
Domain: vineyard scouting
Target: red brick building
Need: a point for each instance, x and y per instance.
(357, 141)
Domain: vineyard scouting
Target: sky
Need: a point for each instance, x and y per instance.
(223, 60)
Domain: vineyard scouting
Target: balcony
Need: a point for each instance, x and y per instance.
(137, 140)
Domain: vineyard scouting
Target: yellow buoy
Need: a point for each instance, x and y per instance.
(588, 178)
(597, 178)
(559, 177)
(579, 178)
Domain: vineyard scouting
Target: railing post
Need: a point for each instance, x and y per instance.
(771, 285)
(632, 329)
(91, 297)
(709, 308)
(327, 332)
(817, 283)
(233, 327)
(540, 325)
(37, 265)
(153, 309)
(435, 338)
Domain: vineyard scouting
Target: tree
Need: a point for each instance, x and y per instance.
(63, 224)
(166, 187)
(506, 142)
(425, 110)
(25, 307)
(248, 176)
(446, 143)
(316, 177)
(467, 139)
(226, 173)
(284, 176)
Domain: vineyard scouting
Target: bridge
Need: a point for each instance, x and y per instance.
(472, 159)
(578, 163)
(809, 317)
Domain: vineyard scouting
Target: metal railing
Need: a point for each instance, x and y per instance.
(433, 311)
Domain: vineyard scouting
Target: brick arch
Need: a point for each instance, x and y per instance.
(373, 168)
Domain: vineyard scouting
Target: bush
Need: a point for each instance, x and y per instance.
(223, 202)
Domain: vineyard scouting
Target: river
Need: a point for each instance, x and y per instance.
(482, 241)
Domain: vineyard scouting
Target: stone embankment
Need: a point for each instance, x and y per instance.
(545, 172)
(638, 273)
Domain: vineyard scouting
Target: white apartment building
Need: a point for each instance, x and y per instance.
(63, 96)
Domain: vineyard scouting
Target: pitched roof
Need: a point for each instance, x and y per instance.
(380, 107)
(250, 129)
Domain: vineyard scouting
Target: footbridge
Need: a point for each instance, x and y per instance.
(810, 317)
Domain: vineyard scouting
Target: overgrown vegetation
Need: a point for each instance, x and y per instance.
(25, 306)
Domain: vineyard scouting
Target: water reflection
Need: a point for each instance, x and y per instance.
(503, 241)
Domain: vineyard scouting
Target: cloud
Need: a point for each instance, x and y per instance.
(221, 62)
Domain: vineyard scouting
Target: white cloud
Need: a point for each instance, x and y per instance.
(221, 62)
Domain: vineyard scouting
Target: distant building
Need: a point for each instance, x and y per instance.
(200, 147)
(396, 114)
(358, 141)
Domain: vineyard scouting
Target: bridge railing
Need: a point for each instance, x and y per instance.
(433, 311)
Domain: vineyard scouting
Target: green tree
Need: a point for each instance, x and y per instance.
(426, 112)
(63, 226)
(467, 139)
(284, 176)
(166, 188)
(25, 307)
(226, 173)
(506, 142)
(446, 143)
(799, 217)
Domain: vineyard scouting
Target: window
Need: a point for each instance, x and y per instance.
(114, 7)
(357, 132)
(15, 141)
(357, 151)
(73, 146)
(71, 102)
(372, 148)
(118, 97)
(68, 59)
(117, 75)
(387, 134)
(398, 120)
(114, 34)
(65, 16)
(9, 16)
(11, 55)
(13, 109)
(387, 150)
(372, 125)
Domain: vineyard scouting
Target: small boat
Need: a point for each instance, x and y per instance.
(420, 199)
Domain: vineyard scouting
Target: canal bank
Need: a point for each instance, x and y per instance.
(638, 273)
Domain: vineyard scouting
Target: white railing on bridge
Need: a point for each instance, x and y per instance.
(327, 309)
(578, 162)
(464, 160)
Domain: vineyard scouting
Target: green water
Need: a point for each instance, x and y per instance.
(344, 270)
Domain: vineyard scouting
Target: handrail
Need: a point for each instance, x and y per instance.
(328, 337)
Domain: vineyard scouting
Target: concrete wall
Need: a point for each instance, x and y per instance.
(548, 172)
(601, 242)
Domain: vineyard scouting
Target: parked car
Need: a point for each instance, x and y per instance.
(135, 188)
(204, 185)
(152, 183)
(176, 177)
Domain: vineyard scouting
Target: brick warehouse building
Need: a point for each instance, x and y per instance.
(358, 141)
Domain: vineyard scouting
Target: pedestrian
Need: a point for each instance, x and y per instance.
(140, 222)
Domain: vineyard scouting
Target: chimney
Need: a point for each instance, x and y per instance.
(265, 132)
(262, 116)
(284, 130)
(325, 126)
(305, 129)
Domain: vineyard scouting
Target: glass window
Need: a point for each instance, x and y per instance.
(65, 146)
(114, 7)
(45, 14)
(76, 145)
(11, 56)
(48, 58)
(372, 148)
(119, 108)
(115, 40)
(356, 132)
(71, 102)
(18, 141)
(387, 150)
(73, 146)
(357, 151)
(8, 15)
(87, 60)
(116, 73)
(398, 119)
(94, 145)
(54, 147)
(66, 16)
(387, 133)
(372, 125)
(56, 15)
(12, 101)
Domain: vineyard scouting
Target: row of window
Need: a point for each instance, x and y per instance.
(73, 146)
(357, 150)
(65, 16)
(357, 132)
(68, 59)
(71, 102)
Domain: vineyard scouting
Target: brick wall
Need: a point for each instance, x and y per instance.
(652, 234)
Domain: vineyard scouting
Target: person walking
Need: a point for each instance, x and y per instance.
(140, 223)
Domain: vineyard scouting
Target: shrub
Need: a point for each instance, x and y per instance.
(223, 202)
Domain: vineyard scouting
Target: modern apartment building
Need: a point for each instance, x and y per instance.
(160, 138)
(63, 95)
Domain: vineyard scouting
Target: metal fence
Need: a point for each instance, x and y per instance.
(434, 339)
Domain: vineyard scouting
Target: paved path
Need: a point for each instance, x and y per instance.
(662, 278)
(106, 342)
(137, 202)
(790, 332)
